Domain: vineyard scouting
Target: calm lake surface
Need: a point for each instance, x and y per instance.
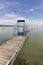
(6, 33)
(32, 50)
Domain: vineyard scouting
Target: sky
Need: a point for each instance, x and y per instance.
(12, 10)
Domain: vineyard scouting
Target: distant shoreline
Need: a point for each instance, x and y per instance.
(7, 26)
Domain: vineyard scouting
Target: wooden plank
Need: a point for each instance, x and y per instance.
(8, 48)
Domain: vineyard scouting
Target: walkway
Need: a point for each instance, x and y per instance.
(8, 48)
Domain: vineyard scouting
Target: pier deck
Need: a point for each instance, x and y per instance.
(8, 48)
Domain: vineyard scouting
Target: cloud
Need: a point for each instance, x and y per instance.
(2, 6)
(9, 4)
(31, 10)
(39, 7)
(10, 15)
(11, 18)
(15, 4)
(34, 9)
(13, 21)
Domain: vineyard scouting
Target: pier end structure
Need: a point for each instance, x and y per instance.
(20, 27)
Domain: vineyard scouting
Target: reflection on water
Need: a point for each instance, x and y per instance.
(6, 33)
(32, 50)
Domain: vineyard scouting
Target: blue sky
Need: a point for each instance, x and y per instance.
(11, 10)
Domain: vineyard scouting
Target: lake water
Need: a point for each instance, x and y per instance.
(32, 51)
(6, 33)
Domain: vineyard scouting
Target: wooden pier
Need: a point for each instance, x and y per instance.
(8, 48)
